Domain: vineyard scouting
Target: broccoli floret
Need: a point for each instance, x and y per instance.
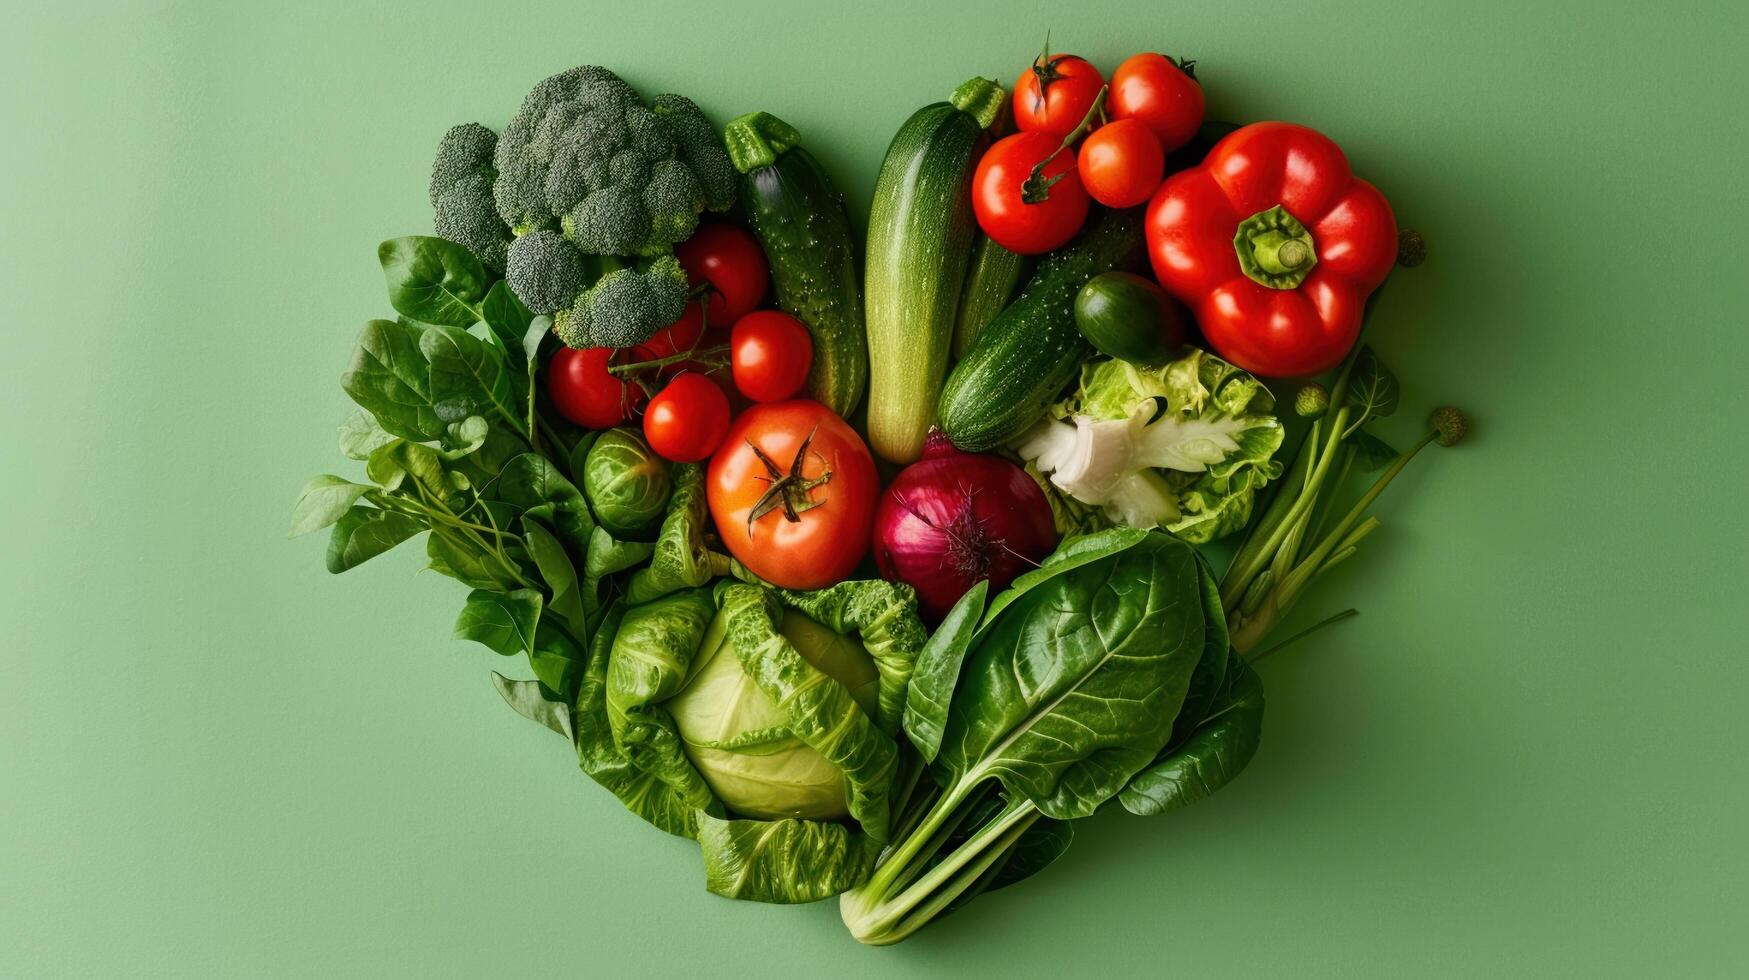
(672, 199)
(610, 221)
(625, 306)
(584, 132)
(461, 194)
(700, 147)
(545, 271)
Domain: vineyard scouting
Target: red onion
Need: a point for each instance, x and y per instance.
(953, 518)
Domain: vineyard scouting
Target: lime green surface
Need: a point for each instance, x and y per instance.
(215, 759)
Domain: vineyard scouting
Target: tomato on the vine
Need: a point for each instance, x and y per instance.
(1054, 94)
(686, 420)
(1001, 192)
(731, 261)
(586, 393)
(1121, 163)
(792, 491)
(1160, 92)
(769, 354)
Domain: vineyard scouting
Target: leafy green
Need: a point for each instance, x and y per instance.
(1213, 756)
(390, 378)
(883, 615)
(324, 500)
(362, 533)
(565, 593)
(651, 660)
(682, 559)
(504, 622)
(938, 669)
(433, 280)
(627, 483)
(1373, 390)
(782, 861)
(531, 483)
(1184, 446)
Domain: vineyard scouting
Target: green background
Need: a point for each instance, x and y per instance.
(1524, 758)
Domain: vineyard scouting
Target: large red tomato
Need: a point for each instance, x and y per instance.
(792, 490)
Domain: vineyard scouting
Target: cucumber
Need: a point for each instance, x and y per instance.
(1021, 361)
(920, 228)
(801, 221)
(989, 286)
(1129, 317)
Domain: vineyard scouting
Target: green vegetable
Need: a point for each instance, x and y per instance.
(989, 285)
(748, 718)
(1128, 317)
(801, 222)
(1184, 447)
(919, 241)
(1069, 688)
(580, 201)
(1288, 548)
(627, 484)
(1021, 361)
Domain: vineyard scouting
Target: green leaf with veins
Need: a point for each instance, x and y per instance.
(682, 559)
(1370, 452)
(782, 861)
(558, 572)
(390, 378)
(469, 377)
(531, 483)
(938, 670)
(1213, 756)
(507, 318)
(883, 617)
(433, 280)
(360, 435)
(1372, 388)
(504, 622)
(324, 500)
(363, 533)
(467, 562)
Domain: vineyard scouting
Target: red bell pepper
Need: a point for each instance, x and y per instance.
(1275, 245)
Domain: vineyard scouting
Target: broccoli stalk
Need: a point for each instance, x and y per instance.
(581, 200)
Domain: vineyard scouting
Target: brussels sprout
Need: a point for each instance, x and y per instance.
(736, 735)
(627, 484)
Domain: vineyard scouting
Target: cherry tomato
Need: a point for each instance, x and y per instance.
(1055, 93)
(726, 257)
(998, 188)
(686, 420)
(1160, 92)
(770, 353)
(1121, 163)
(804, 520)
(584, 392)
(681, 335)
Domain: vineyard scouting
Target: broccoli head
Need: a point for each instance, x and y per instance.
(625, 306)
(461, 194)
(586, 156)
(546, 272)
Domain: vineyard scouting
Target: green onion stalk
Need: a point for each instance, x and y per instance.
(1300, 538)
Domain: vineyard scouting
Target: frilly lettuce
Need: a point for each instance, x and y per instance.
(1183, 447)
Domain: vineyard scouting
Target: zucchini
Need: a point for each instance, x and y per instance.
(920, 228)
(989, 286)
(1021, 361)
(800, 220)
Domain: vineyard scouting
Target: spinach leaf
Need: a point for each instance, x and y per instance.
(463, 560)
(531, 483)
(507, 318)
(505, 622)
(608, 556)
(556, 569)
(782, 861)
(390, 378)
(1370, 452)
(938, 670)
(362, 533)
(324, 500)
(360, 435)
(1210, 676)
(1211, 758)
(468, 377)
(1070, 555)
(433, 280)
(1075, 687)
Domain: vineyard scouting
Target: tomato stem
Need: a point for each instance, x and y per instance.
(1036, 187)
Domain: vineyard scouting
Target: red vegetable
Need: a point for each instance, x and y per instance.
(953, 518)
(769, 355)
(1054, 93)
(585, 393)
(1160, 92)
(1275, 245)
(686, 420)
(1022, 220)
(733, 264)
(1121, 163)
